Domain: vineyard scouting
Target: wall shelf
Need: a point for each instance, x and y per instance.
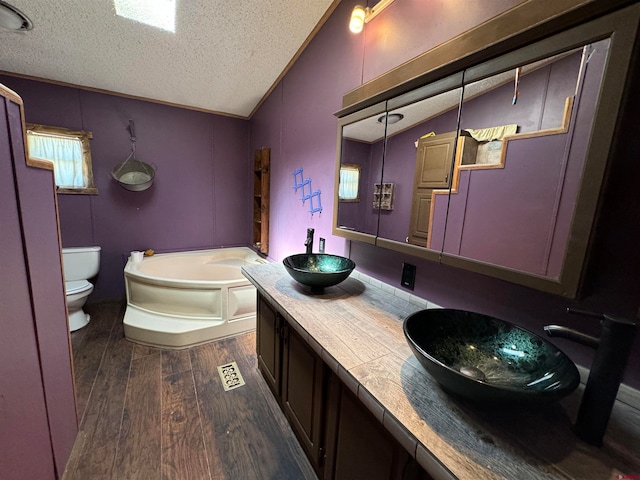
(261, 169)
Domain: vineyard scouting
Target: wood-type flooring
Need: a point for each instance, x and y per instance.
(146, 413)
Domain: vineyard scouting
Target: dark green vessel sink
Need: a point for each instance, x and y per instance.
(318, 270)
(488, 360)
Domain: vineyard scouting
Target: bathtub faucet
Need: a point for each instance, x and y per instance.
(309, 241)
(612, 352)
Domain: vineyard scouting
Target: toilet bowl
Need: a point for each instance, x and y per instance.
(79, 265)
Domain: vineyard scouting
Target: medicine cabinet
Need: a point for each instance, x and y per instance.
(497, 168)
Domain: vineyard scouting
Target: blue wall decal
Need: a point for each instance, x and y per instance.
(299, 182)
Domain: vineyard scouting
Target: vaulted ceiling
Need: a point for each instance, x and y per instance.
(224, 56)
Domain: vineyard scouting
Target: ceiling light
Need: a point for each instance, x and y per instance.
(156, 13)
(13, 19)
(361, 15)
(391, 118)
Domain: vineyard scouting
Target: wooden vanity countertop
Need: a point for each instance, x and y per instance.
(356, 328)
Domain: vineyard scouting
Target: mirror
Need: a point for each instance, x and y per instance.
(516, 191)
(419, 154)
(360, 147)
(498, 169)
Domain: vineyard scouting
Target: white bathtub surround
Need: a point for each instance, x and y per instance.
(178, 300)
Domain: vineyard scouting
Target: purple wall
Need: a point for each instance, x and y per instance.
(38, 423)
(297, 119)
(297, 122)
(199, 196)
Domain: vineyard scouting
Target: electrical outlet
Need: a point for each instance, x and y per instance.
(408, 276)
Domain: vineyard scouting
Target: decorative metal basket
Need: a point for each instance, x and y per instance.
(132, 174)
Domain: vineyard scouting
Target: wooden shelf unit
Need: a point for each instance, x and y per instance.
(261, 168)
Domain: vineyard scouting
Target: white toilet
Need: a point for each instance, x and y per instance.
(79, 265)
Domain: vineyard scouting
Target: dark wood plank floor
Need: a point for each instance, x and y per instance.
(147, 413)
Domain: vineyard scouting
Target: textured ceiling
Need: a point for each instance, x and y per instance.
(224, 56)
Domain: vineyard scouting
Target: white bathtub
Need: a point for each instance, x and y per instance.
(177, 300)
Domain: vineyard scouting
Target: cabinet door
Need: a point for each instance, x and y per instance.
(358, 446)
(269, 344)
(302, 393)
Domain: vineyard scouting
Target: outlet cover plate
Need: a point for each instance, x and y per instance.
(408, 276)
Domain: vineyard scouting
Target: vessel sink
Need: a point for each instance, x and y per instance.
(488, 360)
(318, 270)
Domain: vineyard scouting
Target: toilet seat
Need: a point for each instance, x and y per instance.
(77, 286)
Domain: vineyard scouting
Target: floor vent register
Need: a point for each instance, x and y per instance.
(230, 376)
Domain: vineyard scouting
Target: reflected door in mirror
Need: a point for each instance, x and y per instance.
(433, 169)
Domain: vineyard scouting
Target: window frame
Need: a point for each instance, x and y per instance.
(87, 166)
(358, 169)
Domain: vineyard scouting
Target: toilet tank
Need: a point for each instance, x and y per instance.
(80, 263)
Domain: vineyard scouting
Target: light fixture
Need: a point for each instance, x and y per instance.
(361, 15)
(13, 19)
(356, 24)
(391, 118)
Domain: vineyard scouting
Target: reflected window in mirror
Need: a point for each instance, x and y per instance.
(349, 186)
(360, 157)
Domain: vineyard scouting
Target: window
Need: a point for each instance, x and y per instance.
(348, 190)
(70, 153)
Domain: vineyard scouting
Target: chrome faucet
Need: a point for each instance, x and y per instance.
(612, 352)
(309, 241)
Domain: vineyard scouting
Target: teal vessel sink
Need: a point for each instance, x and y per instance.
(318, 270)
(488, 360)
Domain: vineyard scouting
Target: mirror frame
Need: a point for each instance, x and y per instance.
(621, 28)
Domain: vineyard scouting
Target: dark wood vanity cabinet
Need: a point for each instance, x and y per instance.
(341, 438)
(295, 374)
(358, 446)
(302, 393)
(269, 344)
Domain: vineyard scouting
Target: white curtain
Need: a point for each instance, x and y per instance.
(349, 179)
(65, 153)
